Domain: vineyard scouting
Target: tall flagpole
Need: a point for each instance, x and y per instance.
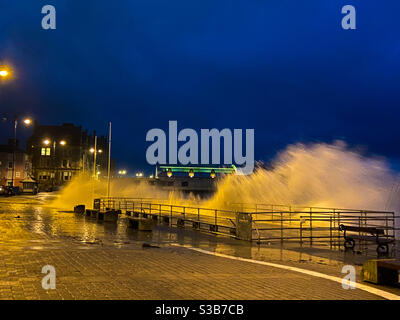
(109, 162)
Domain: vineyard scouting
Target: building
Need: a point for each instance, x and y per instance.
(59, 153)
(22, 168)
(201, 181)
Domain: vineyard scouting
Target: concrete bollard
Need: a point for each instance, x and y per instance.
(100, 215)
(93, 214)
(140, 224)
(128, 213)
(196, 225)
(165, 220)
(146, 225)
(381, 271)
(244, 226)
(79, 209)
(111, 216)
(180, 223)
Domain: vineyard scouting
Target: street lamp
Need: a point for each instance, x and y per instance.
(6, 73)
(47, 142)
(212, 174)
(95, 152)
(191, 173)
(27, 122)
(169, 172)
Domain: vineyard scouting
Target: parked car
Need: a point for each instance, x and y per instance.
(8, 191)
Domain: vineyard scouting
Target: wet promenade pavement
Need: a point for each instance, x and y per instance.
(98, 260)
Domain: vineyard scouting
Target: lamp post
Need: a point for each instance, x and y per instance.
(109, 163)
(27, 122)
(122, 172)
(95, 151)
(62, 143)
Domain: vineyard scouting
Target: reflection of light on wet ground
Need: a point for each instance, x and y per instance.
(51, 228)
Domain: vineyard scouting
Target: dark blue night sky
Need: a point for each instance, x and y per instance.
(285, 68)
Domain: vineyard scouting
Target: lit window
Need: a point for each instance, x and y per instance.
(67, 175)
(45, 151)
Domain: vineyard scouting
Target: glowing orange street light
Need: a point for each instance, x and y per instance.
(5, 71)
(46, 142)
(63, 142)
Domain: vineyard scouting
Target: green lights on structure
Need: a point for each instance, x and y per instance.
(192, 170)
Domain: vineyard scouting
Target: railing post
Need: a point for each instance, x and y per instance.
(311, 226)
(281, 226)
(330, 232)
(359, 233)
(198, 214)
(338, 229)
(171, 216)
(216, 219)
(387, 226)
(301, 230)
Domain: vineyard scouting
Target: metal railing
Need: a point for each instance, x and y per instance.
(206, 219)
(264, 222)
(317, 226)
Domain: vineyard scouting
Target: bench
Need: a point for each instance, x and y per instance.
(377, 235)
